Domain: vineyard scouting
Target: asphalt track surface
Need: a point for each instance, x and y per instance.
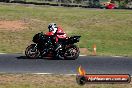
(18, 63)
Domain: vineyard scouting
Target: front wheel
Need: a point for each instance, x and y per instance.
(72, 52)
(32, 51)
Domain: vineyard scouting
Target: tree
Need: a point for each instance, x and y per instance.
(122, 3)
(78, 1)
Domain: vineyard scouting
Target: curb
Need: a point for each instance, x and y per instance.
(19, 53)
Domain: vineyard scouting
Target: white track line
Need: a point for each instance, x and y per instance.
(45, 74)
(51, 74)
(82, 55)
(79, 55)
(3, 53)
(117, 56)
(42, 73)
(57, 74)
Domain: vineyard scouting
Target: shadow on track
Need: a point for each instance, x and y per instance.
(22, 57)
(45, 58)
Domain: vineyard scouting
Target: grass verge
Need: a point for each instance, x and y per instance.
(110, 30)
(48, 81)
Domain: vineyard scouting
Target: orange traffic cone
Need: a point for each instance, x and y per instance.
(94, 49)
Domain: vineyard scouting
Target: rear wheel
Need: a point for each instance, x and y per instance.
(32, 52)
(72, 52)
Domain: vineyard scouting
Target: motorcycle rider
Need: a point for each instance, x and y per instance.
(57, 32)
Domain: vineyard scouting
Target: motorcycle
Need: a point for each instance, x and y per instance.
(44, 46)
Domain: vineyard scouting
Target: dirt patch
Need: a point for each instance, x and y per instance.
(12, 25)
(84, 51)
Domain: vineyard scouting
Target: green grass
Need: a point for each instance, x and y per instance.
(49, 81)
(110, 30)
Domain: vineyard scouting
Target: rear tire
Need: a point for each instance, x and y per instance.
(73, 52)
(32, 53)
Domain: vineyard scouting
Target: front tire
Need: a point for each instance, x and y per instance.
(72, 52)
(32, 52)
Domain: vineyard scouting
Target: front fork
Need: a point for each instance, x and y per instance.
(35, 47)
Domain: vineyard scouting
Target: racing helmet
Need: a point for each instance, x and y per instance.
(52, 27)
